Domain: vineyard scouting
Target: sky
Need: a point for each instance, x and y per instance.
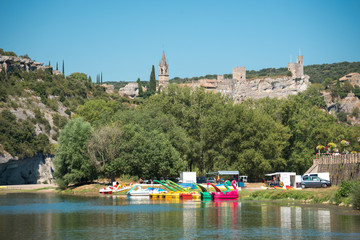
(123, 39)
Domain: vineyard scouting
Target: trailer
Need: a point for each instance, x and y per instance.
(283, 178)
(187, 177)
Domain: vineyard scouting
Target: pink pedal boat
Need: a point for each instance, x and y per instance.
(228, 195)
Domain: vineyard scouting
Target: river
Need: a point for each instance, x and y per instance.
(55, 216)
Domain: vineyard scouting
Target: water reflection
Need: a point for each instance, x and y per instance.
(68, 217)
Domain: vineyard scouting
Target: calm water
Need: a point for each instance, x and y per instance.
(51, 216)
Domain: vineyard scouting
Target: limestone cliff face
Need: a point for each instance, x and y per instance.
(9, 62)
(38, 169)
(279, 87)
(349, 103)
(110, 89)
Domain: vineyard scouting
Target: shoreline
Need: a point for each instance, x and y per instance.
(38, 188)
(253, 191)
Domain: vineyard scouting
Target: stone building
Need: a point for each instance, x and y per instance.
(353, 78)
(163, 72)
(297, 69)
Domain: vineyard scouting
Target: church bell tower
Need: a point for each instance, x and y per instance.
(163, 72)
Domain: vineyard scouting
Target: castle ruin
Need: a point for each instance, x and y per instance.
(240, 88)
(297, 69)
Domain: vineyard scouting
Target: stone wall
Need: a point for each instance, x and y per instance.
(340, 167)
(38, 169)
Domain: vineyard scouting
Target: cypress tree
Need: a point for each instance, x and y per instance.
(57, 68)
(90, 79)
(63, 68)
(141, 93)
(49, 63)
(101, 79)
(152, 84)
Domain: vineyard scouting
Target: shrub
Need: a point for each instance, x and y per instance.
(59, 121)
(68, 112)
(355, 195)
(344, 189)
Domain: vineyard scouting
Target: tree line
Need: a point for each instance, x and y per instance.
(182, 129)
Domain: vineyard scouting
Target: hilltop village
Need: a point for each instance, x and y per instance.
(238, 87)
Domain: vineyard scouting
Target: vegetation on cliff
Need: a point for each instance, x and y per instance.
(35, 105)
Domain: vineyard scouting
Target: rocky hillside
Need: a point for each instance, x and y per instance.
(35, 104)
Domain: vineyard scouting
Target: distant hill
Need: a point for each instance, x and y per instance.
(317, 72)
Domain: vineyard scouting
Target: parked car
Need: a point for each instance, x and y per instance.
(200, 180)
(314, 182)
(211, 180)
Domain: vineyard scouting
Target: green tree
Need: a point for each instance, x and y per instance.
(63, 68)
(152, 87)
(190, 109)
(101, 81)
(141, 93)
(157, 157)
(57, 67)
(78, 76)
(106, 151)
(72, 163)
(342, 116)
(98, 110)
(327, 82)
(355, 112)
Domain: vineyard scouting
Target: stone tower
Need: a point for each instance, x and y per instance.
(297, 69)
(163, 72)
(239, 74)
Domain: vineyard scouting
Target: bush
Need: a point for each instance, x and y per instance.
(68, 112)
(59, 121)
(344, 189)
(342, 117)
(355, 195)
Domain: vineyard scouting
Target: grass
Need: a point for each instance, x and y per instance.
(315, 196)
(87, 189)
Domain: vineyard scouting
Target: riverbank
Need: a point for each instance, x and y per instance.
(253, 191)
(28, 188)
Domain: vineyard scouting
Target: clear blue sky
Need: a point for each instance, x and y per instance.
(123, 39)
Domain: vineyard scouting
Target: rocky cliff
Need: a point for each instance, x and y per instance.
(7, 63)
(38, 169)
(271, 87)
